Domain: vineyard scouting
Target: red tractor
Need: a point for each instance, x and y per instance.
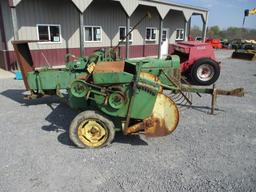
(198, 62)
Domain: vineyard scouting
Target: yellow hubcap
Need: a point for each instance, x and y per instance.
(92, 133)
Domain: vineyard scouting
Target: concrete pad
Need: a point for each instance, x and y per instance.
(6, 74)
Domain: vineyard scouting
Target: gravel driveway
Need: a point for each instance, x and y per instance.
(205, 153)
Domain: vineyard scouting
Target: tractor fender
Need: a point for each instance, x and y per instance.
(187, 66)
(204, 58)
(213, 60)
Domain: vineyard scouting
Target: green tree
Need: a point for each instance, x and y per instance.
(214, 32)
(251, 34)
(196, 31)
(236, 33)
(229, 33)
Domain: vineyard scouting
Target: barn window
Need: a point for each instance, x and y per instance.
(50, 33)
(92, 33)
(122, 33)
(150, 34)
(180, 34)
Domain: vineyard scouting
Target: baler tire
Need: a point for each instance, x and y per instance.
(86, 115)
(207, 62)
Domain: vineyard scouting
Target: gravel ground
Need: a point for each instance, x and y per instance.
(205, 153)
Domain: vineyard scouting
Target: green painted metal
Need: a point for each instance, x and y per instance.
(51, 79)
(142, 107)
(102, 55)
(117, 100)
(143, 104)
(197, 90)
(112, 78)
(110, 92)
(156, 66)
(77, 103)
(79, 63)
(79, 89)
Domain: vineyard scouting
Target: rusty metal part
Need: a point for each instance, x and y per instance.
(214, 98)
(176, 83)
(151, 77)
(134, 89)
(83, 77)
(146, 87)
(24, 59)
(239, 92)
(137, 85)
(163, 121)
(178, 97)
(113, 66)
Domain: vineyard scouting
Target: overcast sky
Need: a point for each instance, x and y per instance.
(224, 13)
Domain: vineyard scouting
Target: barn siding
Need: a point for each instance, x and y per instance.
(173, 21)
(140, 33)
(3, 62)
(49, 12)
(1, 41)
(55, 57)
(8, 29)
(109, 16)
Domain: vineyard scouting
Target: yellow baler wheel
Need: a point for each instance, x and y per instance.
(91, 129)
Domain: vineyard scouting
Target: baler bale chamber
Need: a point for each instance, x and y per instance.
(113, 95)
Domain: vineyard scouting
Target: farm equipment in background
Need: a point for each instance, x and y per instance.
(249, 55)
(236, 44)
(224, 43)
(246, 50)
(198, 62)
(216, 43)
(114, 95)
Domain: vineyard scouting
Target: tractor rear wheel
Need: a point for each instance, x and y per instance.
(90, 129)
(205, 72)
